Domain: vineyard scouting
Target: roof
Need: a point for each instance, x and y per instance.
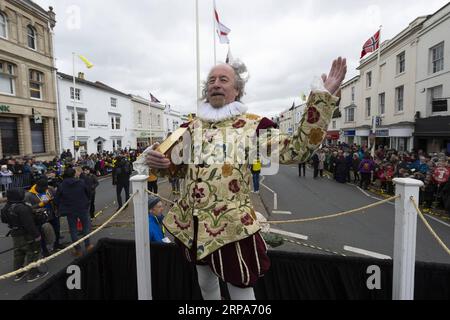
(35, 6)
(97, 84)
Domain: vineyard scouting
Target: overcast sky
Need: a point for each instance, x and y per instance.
(149, 46)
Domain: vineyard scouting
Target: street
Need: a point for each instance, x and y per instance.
(105, 205)
(369, 233)
(372, 230)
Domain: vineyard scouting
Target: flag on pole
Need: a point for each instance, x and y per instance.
(153, 99)
(221, 29)
(230, 58)
(371, 45)
(86, 61)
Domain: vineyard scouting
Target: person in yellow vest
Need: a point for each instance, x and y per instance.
(256, 171)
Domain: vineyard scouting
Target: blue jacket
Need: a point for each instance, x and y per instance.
(155, 228)
(421, 167)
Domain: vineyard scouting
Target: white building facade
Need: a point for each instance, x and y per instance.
(147, 122)
(173, 119)
(432, 94)
(104, 116)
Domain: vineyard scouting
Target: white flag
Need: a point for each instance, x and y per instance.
(222, 30)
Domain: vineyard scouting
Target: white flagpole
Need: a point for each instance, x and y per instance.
(377, 87)
(214, 31)
(198, 51)
(75, 113)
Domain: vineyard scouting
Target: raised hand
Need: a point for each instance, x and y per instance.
(157, 160)
(333, 81)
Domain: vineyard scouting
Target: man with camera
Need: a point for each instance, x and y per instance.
(24, 232)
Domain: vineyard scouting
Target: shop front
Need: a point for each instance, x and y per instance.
(26, 132)
(432, 134)
(349, 136)
(332, 137)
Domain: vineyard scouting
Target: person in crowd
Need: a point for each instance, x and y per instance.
(72, 200)
(355, 167)
(92, 183)
(315, 161)
(152, 183)
(121, 178)
(5, 178)
(41, 199)
(321, 166)
(256, 172)
(157, 231)
(366, 167)
(175, 183)
(340, 168)
(302, 168)
(25, 234)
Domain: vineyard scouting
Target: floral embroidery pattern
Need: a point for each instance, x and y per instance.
(313, 115)
(218, 194)
(247, 220)
(239, 124)
(198, 193)
(316, 136)
(227, 170)
(233, 186)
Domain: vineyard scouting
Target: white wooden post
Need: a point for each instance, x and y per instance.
(405, 238)
(142, 238)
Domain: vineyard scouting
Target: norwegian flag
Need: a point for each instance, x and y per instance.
(371, 45)
(222, 30)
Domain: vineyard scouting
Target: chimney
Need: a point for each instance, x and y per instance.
(81, 75)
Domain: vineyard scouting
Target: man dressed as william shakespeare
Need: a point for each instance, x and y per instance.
(214, 221)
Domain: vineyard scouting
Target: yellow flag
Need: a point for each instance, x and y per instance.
(86, 61)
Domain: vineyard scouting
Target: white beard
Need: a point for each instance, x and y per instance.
(207, 112)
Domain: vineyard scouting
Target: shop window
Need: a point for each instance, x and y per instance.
(9, 136)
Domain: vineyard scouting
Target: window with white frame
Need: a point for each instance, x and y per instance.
(436, 102)
(350, 115)
(114, 102)
(81, 120)
(437, 58)
(399, 98)
(31, 36)
(140, 117)
(353, 94)
(159, 120)
(117, 144)
(401, 62)
(334, 124)
(369, 79)
(3, 26)
(381, 103)
(368, 107)
(77, 94)
(115, 122)
(7, 77)
(36, 79)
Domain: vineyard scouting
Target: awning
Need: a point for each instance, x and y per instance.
(333, 135)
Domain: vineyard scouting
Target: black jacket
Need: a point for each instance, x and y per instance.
(72, 196)
(91, 182)
(122, 172)
(22, 219)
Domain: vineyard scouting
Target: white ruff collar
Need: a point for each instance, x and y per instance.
(207, 112)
